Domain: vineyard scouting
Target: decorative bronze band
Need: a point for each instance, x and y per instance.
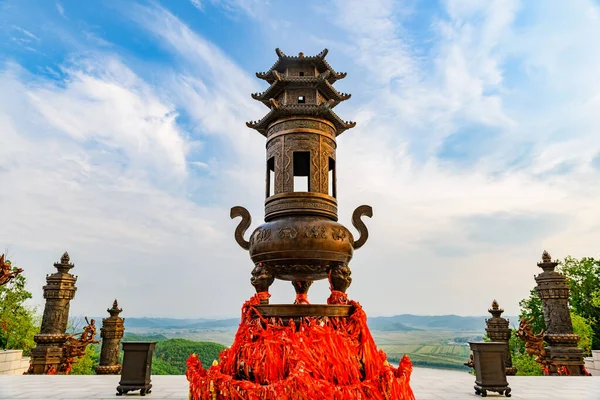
(300, 203)
(324, 127)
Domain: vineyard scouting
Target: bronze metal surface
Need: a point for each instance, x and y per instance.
(111, 332)
(562, 353)
(58, 292)
(137, 368)
(301, 240)
(303, 310)
(490, 373)
(498, 331)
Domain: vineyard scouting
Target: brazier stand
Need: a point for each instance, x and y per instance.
(490, 374)
(137, 367)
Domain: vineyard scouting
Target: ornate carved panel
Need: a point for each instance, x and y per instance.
(302, 123)
(304, 142)
(274, 150)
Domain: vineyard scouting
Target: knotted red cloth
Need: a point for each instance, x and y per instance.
(301, 298)
(319, 358)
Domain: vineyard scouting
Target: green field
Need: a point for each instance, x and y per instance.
(435, 349)
(426, 348)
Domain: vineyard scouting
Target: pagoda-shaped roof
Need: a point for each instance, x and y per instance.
(283, 61)
(314, 92)
(322, 110)
(319, 82)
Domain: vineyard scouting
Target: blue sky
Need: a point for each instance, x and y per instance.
(123, 125)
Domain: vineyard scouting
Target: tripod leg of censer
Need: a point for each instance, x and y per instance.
(262, 278)
(339, 281)
(301, 288)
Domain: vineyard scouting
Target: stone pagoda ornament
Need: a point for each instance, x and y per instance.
(301, 240)
(498, 331)
(58, 292)
(301, 350)
(562, 354)
(111, 333)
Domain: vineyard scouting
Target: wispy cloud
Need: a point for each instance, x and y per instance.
(60, 9)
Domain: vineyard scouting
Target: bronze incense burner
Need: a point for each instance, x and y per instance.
(301, 240)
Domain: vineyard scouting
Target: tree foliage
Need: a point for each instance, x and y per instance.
(86, 365)
(532, 307)
(170, 355)
(583, 277)
(524, 363)
(18, 322)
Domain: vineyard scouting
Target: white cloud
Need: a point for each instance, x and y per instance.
(101, 164)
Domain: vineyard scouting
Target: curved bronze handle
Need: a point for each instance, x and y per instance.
(360, 226)
(239, 211)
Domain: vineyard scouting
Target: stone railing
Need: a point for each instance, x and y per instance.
(593, 363)
(12, 362)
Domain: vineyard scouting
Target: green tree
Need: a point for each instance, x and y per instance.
(532, 307)
(524, 363)
(18, 322)
(583, 328)
(583, 277)
(86, 365)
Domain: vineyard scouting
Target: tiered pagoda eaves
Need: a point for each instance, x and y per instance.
(301, 85)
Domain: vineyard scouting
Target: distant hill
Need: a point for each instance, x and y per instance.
(426, 322)
(399, 323)
(220, 323)
(144, 322)
(387, 325)
(134, 337)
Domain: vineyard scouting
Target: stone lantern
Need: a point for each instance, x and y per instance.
(498, 331)
(58, 292)
(111, 333)
(564, 357)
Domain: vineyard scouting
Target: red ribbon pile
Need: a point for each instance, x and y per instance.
(319, 358)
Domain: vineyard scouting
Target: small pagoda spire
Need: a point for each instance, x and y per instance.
(546, 256)
(498, 331)
(111, 332)
(64, 265)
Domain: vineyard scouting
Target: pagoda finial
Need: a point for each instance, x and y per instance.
(301, 54)
(64, 265)
(546, 256)
(115, 310)
(496, 311)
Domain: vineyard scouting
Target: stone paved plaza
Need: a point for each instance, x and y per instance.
(428, 384)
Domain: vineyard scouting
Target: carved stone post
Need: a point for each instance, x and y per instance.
(111, 332)
(562, 352)
(58, 292)
(498, 331)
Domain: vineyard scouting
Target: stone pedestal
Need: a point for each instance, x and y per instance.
(498, 331)
(111, 332)
(58, 292)
(562, 351)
